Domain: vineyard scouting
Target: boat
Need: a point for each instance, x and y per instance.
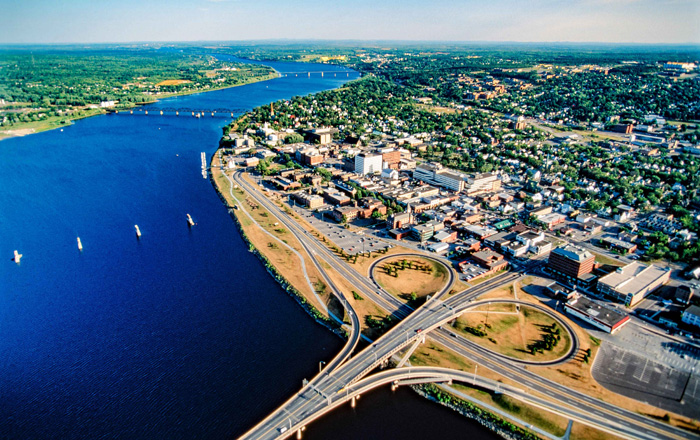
(80, 245)
(138, 231)
(17, 257)
(190, 222)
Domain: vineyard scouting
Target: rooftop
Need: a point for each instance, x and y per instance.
(602, 314)
(633, 278)
(573, 252)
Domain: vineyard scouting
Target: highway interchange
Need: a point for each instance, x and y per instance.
(345, 377)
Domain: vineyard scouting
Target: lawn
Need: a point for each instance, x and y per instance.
(505, 330)
(410, 278)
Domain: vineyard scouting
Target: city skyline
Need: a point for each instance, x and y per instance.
(585, 21)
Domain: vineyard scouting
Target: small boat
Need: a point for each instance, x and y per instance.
(80, 245)
(190, 222)
(17, 257)
(138, 231)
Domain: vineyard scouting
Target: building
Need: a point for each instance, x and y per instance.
(445, 236)
(309, 156)
(679, 67)
(366, 163)
(422, 233)
(489, 259)
(608, 320)
(400, 220)
(481, 183)
(391, 158)
(683, 295)
(311, 201)
(439, 248)
(624, 247)
(571, 263)
(370, 205)
(320, 135)
(435, 174)
(335, 198)
(632, 283)
(691, 316)
(251, 161)
(623, 128)
(345, 213)
(551, 220)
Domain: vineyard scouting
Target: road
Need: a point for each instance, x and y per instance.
(325, 390)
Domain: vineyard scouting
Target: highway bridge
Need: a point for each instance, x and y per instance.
(337, 383)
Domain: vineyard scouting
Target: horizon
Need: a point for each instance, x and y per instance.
(632, 22)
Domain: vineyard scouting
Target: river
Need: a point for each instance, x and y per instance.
(179, 335)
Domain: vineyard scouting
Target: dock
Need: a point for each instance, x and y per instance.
(204, 165)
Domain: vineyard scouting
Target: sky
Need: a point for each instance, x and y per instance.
(106, 21)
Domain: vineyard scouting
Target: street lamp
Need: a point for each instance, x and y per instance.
(320, 364)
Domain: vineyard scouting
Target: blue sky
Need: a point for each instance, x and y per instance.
(622, 21)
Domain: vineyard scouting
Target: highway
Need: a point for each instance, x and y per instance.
(325, 389)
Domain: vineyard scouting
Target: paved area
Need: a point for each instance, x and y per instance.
(352, 243)
(672, 353)
(646, 380)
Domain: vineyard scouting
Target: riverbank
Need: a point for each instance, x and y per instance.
(55, 122)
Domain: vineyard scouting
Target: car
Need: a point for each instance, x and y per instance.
(418, 330)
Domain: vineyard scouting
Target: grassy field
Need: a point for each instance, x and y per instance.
(607, 260)
(50, 123)
(405, 277)
(513, 333)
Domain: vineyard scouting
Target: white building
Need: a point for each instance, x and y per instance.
(366, 163)
(435, 173)
(481, 183)
(691, 316)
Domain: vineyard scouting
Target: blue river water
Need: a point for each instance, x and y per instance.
(179, 335)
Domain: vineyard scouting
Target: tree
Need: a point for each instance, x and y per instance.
(293, 138)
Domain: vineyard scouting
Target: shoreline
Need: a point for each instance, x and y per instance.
(26, 131)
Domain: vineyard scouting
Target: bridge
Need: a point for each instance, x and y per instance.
(344, 380)
(181, 111)
(322, 73)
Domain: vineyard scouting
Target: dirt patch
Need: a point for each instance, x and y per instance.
(173, 82)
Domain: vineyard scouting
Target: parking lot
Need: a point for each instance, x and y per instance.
(352, 243)
(644, 379)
